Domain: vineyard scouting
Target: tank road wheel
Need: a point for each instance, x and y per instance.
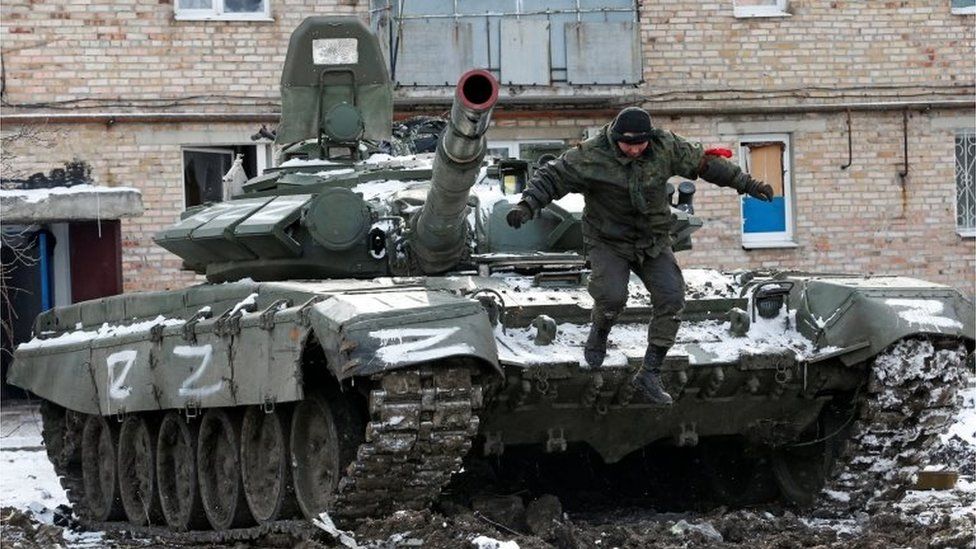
(802, 469)
(176, 477)
(219, 469)
(137, 472)
(737, 473)
(264, 464)
(321, 446)
(99, 441)
(801, 472)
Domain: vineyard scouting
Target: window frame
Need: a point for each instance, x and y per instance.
(515, 145)
(217, 13)
(778, 239)
(263, 155)
(781, 9)
(965, 10)
(965, 232)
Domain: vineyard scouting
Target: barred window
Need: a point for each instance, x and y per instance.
(522, 42)
(966, 184)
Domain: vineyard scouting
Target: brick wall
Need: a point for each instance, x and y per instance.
(857, 220)
(837, 48)
(69, 50)
(95, 56)
(93, 51)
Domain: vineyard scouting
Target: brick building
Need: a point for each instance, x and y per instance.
(860, 113)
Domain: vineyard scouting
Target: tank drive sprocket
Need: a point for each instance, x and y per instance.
(873, 455)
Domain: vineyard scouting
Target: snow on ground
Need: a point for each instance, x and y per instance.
(27, 479)
(485, 542)
(964, 424)
(26, 475)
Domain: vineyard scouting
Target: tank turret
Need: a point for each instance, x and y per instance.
(347, 200)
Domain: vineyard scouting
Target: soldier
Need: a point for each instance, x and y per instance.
(621, 174)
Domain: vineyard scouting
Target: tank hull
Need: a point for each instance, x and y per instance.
(415, 370)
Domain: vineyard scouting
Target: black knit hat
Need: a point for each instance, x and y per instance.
(632, 125)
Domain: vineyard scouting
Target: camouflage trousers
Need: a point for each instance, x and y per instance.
(661, 276)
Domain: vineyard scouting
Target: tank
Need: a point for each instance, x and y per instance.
(370, 326)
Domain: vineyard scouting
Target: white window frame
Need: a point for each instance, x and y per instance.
(216, 13)
(780, 9)
(965, 232)
(263, 153)
(966, 10)
(778, 239)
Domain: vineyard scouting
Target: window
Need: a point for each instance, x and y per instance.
(205, 168)
(243, 10)
(964, 7)
(761, 8)
(530, 150)
(966, 184)
(522, 42)
(767, 224)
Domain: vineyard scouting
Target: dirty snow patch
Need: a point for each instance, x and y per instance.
(107, 330)
(302, 162)
(33, 196)
(484, 542)
(838, 496)
(380, 189)
(710, 283)
(245, 304)
(333, 173)
(964, 423)
(923, 311)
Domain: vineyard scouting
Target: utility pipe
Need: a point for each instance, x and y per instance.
(603, 104)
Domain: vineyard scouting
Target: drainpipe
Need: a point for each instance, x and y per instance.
(45, 264)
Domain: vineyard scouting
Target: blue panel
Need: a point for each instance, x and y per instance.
(763, 217)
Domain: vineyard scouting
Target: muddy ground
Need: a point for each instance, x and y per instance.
(33, 513)
(767, 527)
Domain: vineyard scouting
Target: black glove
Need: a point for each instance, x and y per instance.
(518, 215)
(758, 189)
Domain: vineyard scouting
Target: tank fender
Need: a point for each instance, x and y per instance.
(859, 318)
(245, 359)
(368, 333)
(65, 377)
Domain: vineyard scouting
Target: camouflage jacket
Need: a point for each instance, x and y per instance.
(626, 199)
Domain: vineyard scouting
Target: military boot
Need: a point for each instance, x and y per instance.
(595, 350)
(648, 380)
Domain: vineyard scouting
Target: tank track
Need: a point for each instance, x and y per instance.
(422, 422)
(910, 400)
(421, 425)
(61, 433)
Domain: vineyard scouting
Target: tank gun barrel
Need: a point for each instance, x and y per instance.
(439, 233)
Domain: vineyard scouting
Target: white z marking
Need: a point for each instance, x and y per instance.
(115, 388)
(420, 348)
(203, 352)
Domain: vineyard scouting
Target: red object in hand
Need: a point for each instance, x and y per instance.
(719, 151)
